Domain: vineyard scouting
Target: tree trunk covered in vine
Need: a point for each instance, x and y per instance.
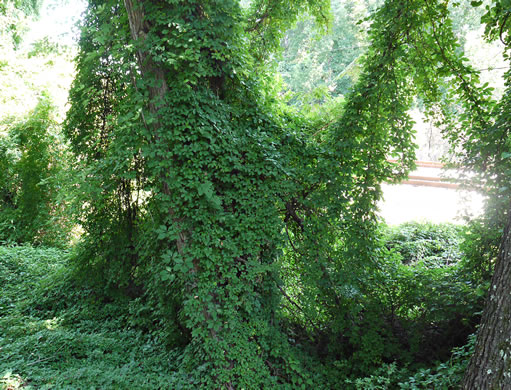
(219, 228)
(490, 366)
(154, 76)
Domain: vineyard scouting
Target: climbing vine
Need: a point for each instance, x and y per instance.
(225, 211)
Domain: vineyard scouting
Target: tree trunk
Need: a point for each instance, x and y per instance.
(157, 87)
(490, 366)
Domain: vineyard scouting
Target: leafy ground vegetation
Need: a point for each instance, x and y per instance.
(58, 331)
(197, 221)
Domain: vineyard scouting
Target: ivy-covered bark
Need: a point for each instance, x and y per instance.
(217, 261)
(488, 154)
(490, 366)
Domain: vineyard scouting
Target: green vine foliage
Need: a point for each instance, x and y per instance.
(110, 196)
(235, 219)
(333, 255)
(206, 168)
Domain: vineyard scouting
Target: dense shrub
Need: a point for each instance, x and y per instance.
(481, 242)
(443, 376)
(434, 244)
(410, 307)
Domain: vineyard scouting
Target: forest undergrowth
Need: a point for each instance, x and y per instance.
(58, 332)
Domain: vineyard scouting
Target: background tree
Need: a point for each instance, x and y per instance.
(33, 182)
(316, 64)
(13, 18)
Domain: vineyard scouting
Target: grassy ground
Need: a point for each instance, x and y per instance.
(54, 335)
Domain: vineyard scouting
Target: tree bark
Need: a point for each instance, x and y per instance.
(490, 366)
(158, 88)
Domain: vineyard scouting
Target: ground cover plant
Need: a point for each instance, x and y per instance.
(56, 334)
(58, 331)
